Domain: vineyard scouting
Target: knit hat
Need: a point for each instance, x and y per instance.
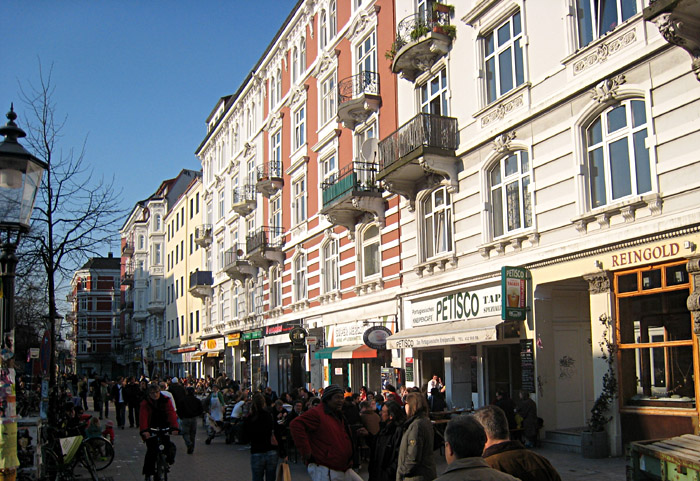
(329, 391)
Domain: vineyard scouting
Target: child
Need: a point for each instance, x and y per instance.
(93, 430)
(109, 431)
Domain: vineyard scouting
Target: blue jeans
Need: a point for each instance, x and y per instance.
(264, 465)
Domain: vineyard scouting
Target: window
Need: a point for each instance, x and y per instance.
(222, 208)
(196, 203)
(597, 17)
(437, 223)
(182, 250)
(273, 91)
(367, 54)
(295, 64)
(182, 286)
(370, 252)
(177, 254)
(299, 200)
(279, 85)
(323, 29)
(197, 320)
(299, 128)
(157, 254)
(142, 242)
(191, 210)
(503, 58)
(332, 19)
(329, 169)
(191, 243)
(433, 95)
(276, 147)
(329, 99)
(302, 56)
(176, 288)
(511, 199)
(618, 160)
(300, 278)
(220, 255)
(191, 322)
(158, 222)
(656, 340)
(331, 273)
(276, 214)
(252, 174)
(275, 288)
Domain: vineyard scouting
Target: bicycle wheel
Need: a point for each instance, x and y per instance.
(101, 451)
(52, 469)
(162, 468)
(86, 462)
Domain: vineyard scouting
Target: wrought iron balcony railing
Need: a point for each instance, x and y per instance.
(244, 193)
(361, 84)
(201, 278)
(266, 237)
(423, 130)
(413, 27)
(268, 170)
(355, 177)
(233, 255)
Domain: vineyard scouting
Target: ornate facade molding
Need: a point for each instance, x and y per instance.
(607, 89)
(502, 110)
(604, 51)
(599, 283)
(693, 301)
(363, 22)
(502, 142)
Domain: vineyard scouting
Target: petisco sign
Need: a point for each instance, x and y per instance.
(459, 305)
(514, 293)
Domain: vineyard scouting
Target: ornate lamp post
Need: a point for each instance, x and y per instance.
(20, 178)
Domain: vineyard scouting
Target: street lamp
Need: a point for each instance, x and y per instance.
(20, 178)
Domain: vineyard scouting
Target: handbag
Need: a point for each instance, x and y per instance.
(273, 439)
(283, 472)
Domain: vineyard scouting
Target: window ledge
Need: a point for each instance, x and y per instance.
(369, 286)
(626, 208)
(275, 312)
(330, 297)
(515, 241)
(440, 263)
(299, 305)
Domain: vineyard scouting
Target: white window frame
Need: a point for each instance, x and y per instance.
(635, 152)
(299, 288)
(299, 128)
(332, 19)
(295, 64)
(366, 53)
(222, 204)
(323, 29)
(299, 208)
(331, 266)
(513, 25)
(275, 288)
(276, 215)
(329, 98)
(589, 27)
(437, 226)
(434, 95)
(365, 244)
(329, 168)
(512, 169)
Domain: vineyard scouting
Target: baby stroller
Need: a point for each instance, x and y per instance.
(215, 429)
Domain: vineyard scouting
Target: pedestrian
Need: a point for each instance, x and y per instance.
(93, 429)
(188, 410)
(96, 396)
(156, 411)
(83, 391)
(119, 403)
(264, 434)
(214, 407)
(105, 391)
(511, 456)
(504, 402)
(527, 409)
(416, 461)
(464, 442)
(134, 396)
(384, 454)
(324, 440)
(177, 390)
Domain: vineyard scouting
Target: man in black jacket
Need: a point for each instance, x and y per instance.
(133, 396)
(189, 408)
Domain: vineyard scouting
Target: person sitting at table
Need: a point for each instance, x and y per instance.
(511, 456)
(437, 401)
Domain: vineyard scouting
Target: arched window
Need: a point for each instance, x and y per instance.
(302, 56)
(330, 267)
(618, 159)
(437, 223)
(273, 92)
(279, 85)
(371, 264)
(511, 199)
(333, 20)
(295, 64)
(323, 29)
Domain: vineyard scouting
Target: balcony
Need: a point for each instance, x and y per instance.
(200, 284)
(128, 249)
(679, 23)
(352, 194)
(156, 306)
(358, 98)
(236, 266)
(127, 307)
(269, 178)
(421, 40)
(244, 199)
(421, 153)
(140, 315)
(203, 235)
(264, 246)
(127, 278)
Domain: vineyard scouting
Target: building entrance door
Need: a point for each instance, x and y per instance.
(503, 370)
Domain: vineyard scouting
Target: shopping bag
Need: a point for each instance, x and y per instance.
(69, 446)
(283, 472)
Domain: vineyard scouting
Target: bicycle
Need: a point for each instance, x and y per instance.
(60, 466)
(101, 451)
(164, 445)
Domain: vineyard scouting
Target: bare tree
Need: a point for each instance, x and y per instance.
(76, 215)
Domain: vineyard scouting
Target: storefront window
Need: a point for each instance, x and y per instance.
(656, 340)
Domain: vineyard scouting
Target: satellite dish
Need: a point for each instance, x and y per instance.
(369, 149)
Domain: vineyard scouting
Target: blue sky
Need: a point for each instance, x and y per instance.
(137, 78)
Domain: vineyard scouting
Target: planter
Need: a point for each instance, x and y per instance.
(594, 445)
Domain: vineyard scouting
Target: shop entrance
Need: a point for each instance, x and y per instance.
(432, 362)
(503, 370)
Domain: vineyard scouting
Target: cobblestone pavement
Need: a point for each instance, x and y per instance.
(231, 462)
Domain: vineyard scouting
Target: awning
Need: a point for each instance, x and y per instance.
(197, 356)
(213, 354)
(359, 351)
(457, 332)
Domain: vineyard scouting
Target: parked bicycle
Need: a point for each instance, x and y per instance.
(64, 458)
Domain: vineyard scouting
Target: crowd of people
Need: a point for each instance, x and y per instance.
(332, 429)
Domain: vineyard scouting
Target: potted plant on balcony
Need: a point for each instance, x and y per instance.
(419, 30)
(449, 30)
(594, 440)
(439, 8)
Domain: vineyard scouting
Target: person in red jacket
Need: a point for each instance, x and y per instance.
(324, 439)
(156, 412)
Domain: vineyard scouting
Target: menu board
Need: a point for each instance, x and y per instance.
(527, 365)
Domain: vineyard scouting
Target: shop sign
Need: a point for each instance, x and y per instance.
(338, 371)
(301, 348)
(233, 343)
(645, 255)
(310, 340)
(248, 336)
(184, 349)
(281, 328)
(212, 344)
(409, 360)
(514, 293)
(297, 335)
(233, 340)
(346, 334)
(375, 337)
(457, 306)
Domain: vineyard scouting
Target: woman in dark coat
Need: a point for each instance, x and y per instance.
(259, 426)
(384, 453)
(528, 410)
(416, 461)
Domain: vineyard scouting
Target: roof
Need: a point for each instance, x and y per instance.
(113, 263)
